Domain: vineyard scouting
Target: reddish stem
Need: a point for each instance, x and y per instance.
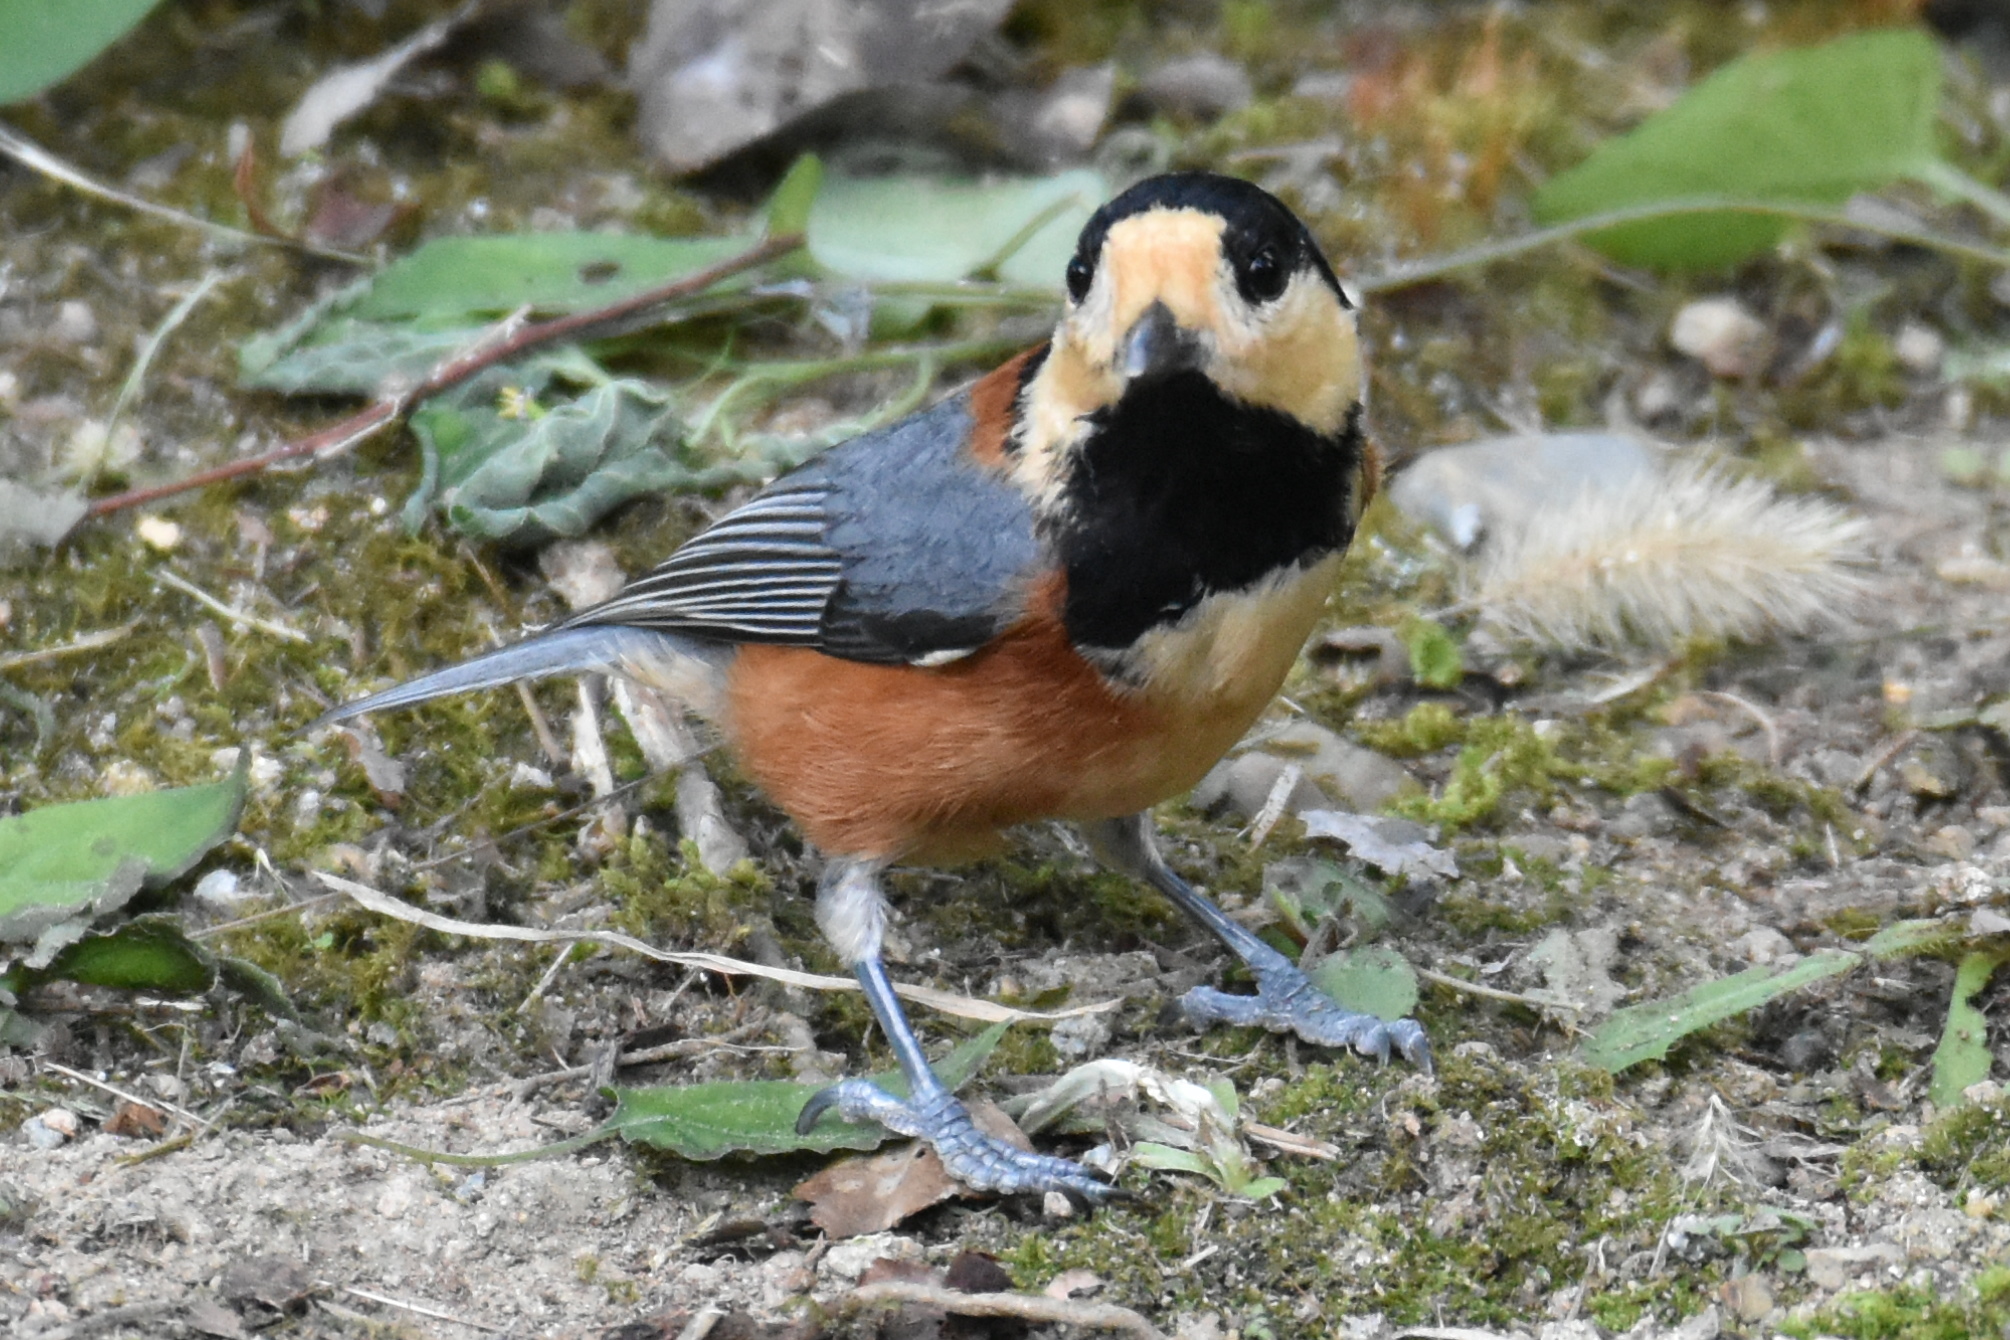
(452, 371)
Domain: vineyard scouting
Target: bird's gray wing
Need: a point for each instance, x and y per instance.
(895, 547)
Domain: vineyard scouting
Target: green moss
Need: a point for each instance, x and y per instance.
(1544, 1166)
(1969, 1146)
(1913, 1313)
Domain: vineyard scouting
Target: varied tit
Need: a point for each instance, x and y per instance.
(1062, 593)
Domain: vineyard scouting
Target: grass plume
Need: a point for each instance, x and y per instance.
(1695, 552)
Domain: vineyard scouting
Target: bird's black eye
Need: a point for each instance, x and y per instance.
(1262, 277)
(1081, 273)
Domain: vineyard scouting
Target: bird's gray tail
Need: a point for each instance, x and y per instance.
(604, 647)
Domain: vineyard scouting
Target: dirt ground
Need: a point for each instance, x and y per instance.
(1781, 1174)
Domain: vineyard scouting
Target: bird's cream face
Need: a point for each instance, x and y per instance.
(1165, 295)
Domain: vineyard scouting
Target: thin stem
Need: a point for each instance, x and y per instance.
(484, 354)
(1436, 267)
(1944, 176)
(33, 156)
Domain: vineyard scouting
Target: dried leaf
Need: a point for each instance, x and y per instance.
(1366, 839)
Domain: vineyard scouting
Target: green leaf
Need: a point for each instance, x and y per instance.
(400, 323)
(1646, 1032)
(1963, 1056)
(43, 42)
(789, 207)
(529, 475)
(62, 866)
(460, 279)
(351, 357)
(1151, 1154)
(1435, 659)
(709, 1121)
(146, 954)
(1373, 979)
(1810, 126)
(923, 229)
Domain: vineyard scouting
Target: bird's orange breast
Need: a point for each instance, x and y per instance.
(933, 763)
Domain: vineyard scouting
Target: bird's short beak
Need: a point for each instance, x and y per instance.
(1159, 345)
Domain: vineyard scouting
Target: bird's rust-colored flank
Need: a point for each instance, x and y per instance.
(931, 764)
(993, 398)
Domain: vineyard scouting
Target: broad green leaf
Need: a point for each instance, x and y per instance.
(1646, 1032)
(709, 1121)
(351, 357)
(64, 865)
(789, 207)
(1809, 126)
(43, 42)
(458, 279)
(1963, 1056)
(530, 474)
(399, 324)
(923, 229)
(146, 954)
(1373, 979)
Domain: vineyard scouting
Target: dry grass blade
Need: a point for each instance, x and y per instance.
(945, 1002)
(1696, 553)
(1025, 1306)
(33, 156)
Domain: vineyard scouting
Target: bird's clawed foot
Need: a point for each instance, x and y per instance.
(973, 1158)
(1286, 1001)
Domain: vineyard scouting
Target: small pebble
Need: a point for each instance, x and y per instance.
(159, 533)
(75, 323)
(220, 888)
(1722, 335)
(1920, 348)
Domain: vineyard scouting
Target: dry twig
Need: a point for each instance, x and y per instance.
(486, 353)
(1025, 1306)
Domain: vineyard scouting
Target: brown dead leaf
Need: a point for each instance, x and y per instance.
(135, 1119)
(865, 1195)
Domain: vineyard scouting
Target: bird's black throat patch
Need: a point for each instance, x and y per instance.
(1180, 492)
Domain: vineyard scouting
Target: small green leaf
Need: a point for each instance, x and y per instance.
(146, 954)
(1263, 1188)
(499, 474)
(1908, 937)
(43, 42)
(709, 1121)
(1963, 1056)
(1151, 1154)
(1373, 979)
(64, 865)
(1646, 1032)
(789, 207)
(923, 229)
(1809, 126)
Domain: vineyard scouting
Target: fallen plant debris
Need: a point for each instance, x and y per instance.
(1695, 821)
(959, 1006)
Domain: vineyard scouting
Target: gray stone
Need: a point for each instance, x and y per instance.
(712, 76)
(1201, 86)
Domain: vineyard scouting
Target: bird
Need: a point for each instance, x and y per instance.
(1063, 592)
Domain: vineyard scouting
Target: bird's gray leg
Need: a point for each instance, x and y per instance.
(852, 914)
(1286, 1001)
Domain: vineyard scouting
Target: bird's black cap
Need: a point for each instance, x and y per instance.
(1254, 219)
